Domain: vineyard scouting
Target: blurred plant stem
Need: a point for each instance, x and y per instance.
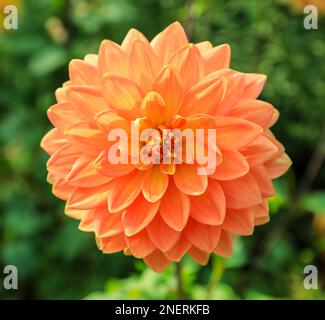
(314, 165)
(180, 287)
(218, 268)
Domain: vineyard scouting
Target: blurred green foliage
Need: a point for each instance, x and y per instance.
(57, 261)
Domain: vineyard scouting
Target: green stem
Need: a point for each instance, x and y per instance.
(180, 288)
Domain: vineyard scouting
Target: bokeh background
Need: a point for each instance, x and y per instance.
(54, 259)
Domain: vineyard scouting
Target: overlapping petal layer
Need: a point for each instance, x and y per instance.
(159, 212)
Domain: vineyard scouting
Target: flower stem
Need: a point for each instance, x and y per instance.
(180, 288)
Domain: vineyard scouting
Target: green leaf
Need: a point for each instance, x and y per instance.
(314, 202)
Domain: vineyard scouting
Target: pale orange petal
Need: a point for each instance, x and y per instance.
(155, 184)
(217, 58)
(138, 215)
(241, 193)
(163, 237)
(175, 208)
(166, 43)
(188, 181)
(210, 207)
(202, 236)
(233, 166)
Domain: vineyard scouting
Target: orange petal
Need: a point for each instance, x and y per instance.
(153, 107)
(122, 95)
(108, 120)
(138, 215)
(144, 65)
(87, 101)
(157, 261)
(234, 90)
(204, 46)
(257, 111)
(277, 167)
(241, 193)
(106, 168)
(178, 250)
(155, 184)
(108, 224)
(113, 244)
(62, 115)
(260, 175)
(90, 141)
(61, 95)
(235, 133)
(202, 236)
(240, 222)
(217, 58)
(169, 169)
(201, 257)
(189, 65)
(233, 166)
(224, 247)
(53, 141)
(188, 181)
(88, 198)
(140, 244)
(83, 174)
(259, 151)
(163, 237)
(62, 161)
(166, 43)
(124, 191)
(167, 84)
(254, 84)
(82, 73)
(175, 208)
(204, 96)
(112, 59)
(133, 35)
(61, 189)
(210, 207)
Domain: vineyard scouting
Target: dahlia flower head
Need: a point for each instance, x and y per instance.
(158, 212)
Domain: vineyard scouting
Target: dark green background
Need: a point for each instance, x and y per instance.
(54, 259)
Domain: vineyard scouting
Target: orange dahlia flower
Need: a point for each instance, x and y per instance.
(159, 212)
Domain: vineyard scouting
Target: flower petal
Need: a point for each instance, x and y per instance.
(241, 193)
(140, 244)
(254, 84)
(188, 181)
(123, 95)
(189, 65)
(235, 133)
(155, 184)
(144, 65)
(277, 167)
(166, 43)
(124, 191)
(175, 208)
(163, 237)
(210, 207)
(202, 236)
(138, 215)
(224, 247)
(112, 59)
(153, 107)
(201, 257)
(217, 58)
(240, 222)
(233, 166)
(157, 261)
(179, 249)
(82, 73)
(257, 111)
(167, 84)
